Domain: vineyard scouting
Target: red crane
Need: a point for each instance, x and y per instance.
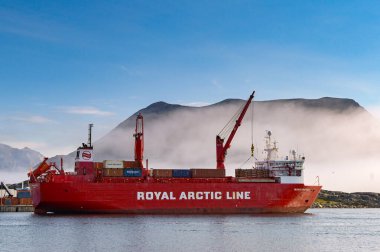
(221, 148)
(139, 140)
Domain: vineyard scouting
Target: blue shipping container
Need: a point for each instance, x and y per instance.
(23, 194)
(8, 202)
(132, 172)
(181, 174)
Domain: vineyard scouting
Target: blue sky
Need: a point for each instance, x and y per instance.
(67, 63)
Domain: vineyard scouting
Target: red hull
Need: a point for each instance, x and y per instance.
(170, 196)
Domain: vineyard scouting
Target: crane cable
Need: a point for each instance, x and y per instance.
(252, 146)
(230, 125)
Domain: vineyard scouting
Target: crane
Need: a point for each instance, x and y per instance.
(221, 147)
(2, 185)
(139, 140)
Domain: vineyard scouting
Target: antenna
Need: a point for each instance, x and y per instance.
(89, 134)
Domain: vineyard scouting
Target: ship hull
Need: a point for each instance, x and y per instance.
(172, 196)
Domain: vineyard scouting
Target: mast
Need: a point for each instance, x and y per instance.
(139, 140)
(90, 134)
(221, 148)
(270, 149)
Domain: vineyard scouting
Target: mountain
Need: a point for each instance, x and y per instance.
(338, 137)
(13, 159)
(326, 103)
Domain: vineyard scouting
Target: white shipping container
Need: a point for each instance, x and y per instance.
(113, 164)
(4, 193)
(291, 179)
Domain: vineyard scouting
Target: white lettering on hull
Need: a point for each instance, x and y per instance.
(238, 195)
(155, 196)
(193, 196)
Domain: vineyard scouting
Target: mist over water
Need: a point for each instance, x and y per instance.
(340, 144)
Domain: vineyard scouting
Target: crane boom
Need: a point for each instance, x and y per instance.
(2, 185)
(221, 148)
(42, 168)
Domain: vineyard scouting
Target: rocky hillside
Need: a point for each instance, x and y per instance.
(334, 199)
(13, 159)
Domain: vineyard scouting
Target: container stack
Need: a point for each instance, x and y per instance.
(113, 168)
(24, 197)
(120, 168)
(132, 169)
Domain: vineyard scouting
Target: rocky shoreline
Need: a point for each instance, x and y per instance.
(336, 199)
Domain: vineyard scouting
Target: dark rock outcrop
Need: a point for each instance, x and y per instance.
(335, 199)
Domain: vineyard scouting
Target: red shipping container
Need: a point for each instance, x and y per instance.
(162, 173)
(26, 201)
(15, 201)
(208, 173)
(131, 164)
(113, 172)
(98, 165)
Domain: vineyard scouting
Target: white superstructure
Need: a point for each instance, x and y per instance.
(288, 171)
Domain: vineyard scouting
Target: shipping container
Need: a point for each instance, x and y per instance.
(180, 173)
(131, 164)
(132, 172)
(162, 173)
(22, 194)
(14, 201)
(244, 173)
(7, 201)
(208, 173)
(257, 180)
(98, 165)
(113, 172)
(113, 164)
(252, 173)
(25, 201)
(4, 193)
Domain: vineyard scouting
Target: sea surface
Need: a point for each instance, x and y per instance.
(316, 230)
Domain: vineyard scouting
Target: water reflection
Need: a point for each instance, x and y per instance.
(319, 230)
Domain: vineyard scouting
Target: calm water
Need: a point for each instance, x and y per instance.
(317, 230)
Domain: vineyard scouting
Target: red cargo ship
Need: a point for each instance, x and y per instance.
(272, 186)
